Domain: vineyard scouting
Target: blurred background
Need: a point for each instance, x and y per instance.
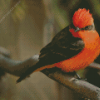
(28, 25)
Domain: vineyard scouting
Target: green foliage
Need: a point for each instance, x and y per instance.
(59, 14)
(19, 11)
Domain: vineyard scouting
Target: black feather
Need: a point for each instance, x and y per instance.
(63, 46)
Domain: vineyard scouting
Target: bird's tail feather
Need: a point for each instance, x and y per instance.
(30, 70)
(36, 67)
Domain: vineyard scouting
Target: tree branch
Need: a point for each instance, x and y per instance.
(84, 88)
(16, 67)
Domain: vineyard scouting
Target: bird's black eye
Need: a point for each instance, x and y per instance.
(88, 27)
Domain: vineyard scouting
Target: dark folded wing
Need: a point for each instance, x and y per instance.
(63, 46)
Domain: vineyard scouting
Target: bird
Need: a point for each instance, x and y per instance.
(72, 49)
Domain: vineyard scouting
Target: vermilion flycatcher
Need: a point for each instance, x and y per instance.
(74, 48)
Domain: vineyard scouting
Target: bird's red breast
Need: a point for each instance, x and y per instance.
(86, 56)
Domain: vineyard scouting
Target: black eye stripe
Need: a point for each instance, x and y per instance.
(90, 27)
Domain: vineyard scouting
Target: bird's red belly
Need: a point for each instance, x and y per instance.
(80, 61)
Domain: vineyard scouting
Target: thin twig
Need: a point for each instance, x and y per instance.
(95, 65)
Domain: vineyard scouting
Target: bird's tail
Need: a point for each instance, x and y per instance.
(36, 67)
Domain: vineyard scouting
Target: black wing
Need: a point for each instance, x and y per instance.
(63, 46)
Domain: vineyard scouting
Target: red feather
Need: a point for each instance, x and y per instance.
(82, 18)
(86, 56)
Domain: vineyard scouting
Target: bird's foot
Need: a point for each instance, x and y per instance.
(79, 78)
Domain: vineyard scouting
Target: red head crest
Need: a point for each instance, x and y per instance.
(82, 18)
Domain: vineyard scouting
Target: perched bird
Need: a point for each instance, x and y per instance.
(73, 48)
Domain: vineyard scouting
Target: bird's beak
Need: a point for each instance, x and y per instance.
(77, 29)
